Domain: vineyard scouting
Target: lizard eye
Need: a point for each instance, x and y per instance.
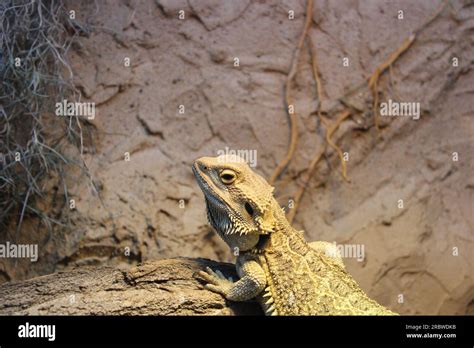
(227, 176)
(248, 208)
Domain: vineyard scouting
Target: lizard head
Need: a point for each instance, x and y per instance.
(239, 201)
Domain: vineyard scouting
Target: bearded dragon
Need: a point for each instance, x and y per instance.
(276, 265)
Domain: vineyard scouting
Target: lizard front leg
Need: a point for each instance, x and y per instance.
(252, 281)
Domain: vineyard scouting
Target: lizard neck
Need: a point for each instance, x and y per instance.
(285, 233)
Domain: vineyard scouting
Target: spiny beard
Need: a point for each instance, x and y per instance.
(219, 219)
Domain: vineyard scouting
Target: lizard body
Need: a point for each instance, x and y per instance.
(286, 274)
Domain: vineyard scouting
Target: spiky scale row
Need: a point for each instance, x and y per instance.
(268, 302)
(225, 222)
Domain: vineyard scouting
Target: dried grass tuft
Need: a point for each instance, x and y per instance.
(35, 38)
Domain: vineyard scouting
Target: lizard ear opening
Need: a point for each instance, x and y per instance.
(248, 208)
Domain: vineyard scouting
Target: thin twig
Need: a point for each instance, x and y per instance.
(374, 78)
(309, 172)
(293, 116)
(301, 190)
(319, 85)
(342, 116)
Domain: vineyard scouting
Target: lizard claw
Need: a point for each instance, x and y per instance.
(217, 282)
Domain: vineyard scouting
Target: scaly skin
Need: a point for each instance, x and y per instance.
(286, 274)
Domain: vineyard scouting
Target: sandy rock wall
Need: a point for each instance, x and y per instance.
(150, 207)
